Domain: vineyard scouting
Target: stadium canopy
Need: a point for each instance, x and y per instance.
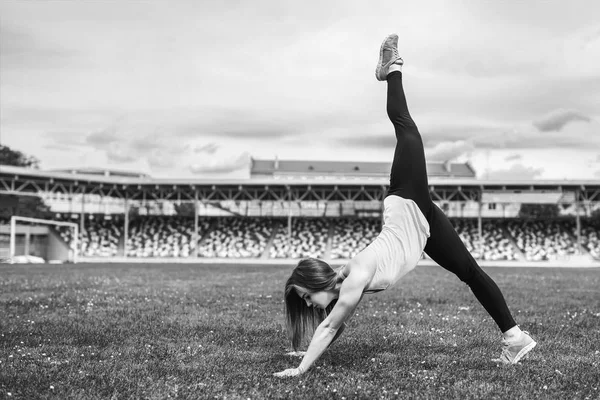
(278, 187)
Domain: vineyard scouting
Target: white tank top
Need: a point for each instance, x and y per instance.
(400, 244)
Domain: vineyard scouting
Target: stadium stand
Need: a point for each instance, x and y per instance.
(233, 237)
(308, 239)
(335, 238)
(352, 235)
(590, 238)
(163, 236)
(541, 240)
(495, 246)
(100, 238)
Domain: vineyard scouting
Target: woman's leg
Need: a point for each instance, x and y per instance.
(446, 248)
(408, 177)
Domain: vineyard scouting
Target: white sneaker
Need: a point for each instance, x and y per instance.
(388, 55)
(514, 350)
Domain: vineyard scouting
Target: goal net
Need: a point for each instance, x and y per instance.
(42, 240)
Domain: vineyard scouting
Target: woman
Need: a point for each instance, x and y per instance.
(320, 300)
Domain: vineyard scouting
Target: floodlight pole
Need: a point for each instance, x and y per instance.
(196, 236)
(126, 227)
(76, 239)
(578, 221)
(27, 238)
(81, 223)
(289, 196)
(479, 227)
(13, 234)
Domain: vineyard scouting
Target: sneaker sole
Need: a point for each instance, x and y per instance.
(524, 351)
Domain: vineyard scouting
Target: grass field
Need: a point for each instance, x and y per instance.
(200, 331)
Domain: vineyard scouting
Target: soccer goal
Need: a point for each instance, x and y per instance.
(34, 238)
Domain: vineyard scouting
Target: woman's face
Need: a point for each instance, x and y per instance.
(319, 299)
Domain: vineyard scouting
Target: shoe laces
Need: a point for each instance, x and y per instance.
(394, 51)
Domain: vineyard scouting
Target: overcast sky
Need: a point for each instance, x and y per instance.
(191, 88)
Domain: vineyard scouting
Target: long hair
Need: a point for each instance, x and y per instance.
(312, 275)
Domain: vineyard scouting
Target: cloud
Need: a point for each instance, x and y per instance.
(60, 146)
(572, 136)
(376, 141)
(209, 148)
(120, 154)
(269, 121)
(102, 137)
(161, 159)
(448, 151)
(515, 172)
(435, 132)
(159, 151)
(513, 157)
(557, 119)
(219, 164)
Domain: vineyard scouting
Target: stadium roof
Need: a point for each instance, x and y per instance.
(266, 168)
(9, 172)
(19, 180)
(102, 171)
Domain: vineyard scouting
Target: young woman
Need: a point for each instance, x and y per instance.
(319, 299)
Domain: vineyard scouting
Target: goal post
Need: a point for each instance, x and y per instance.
(74, 245)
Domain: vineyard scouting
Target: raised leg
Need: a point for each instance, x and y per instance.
(408, 177)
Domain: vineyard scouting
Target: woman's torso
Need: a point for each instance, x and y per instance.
(398, 247)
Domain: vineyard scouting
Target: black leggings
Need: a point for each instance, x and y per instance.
(408, 179)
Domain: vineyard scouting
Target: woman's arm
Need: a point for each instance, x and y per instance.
(336, 337)
(338, 333)
(351, 292)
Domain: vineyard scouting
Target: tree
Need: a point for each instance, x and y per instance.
(24, 206)
(15, 158)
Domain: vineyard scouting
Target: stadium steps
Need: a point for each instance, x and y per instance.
(513, 242)
(266, 252)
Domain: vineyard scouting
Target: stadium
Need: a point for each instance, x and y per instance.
(288, 210)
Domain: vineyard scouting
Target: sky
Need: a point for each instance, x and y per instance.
(194, 89)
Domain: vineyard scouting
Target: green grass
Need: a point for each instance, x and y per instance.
(195, 331)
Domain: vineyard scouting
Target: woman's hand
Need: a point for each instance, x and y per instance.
(288, 373)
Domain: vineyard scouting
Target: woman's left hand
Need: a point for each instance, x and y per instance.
(287, 373)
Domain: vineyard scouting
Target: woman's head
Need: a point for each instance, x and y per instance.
(310, 294)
